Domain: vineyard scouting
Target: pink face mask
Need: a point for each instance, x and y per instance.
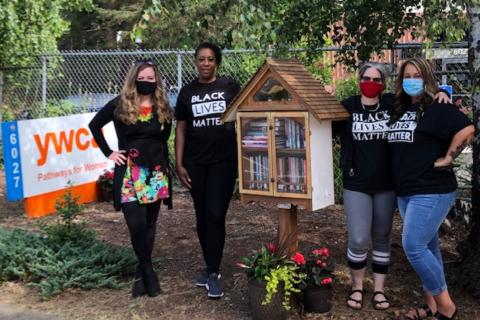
(371, 89)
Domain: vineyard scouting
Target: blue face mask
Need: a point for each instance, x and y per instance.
(413, 87)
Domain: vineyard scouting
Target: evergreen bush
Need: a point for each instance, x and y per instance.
(65, 255)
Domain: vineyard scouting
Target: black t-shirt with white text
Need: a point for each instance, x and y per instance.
(207, 139)
(416, 146)
(371, 167)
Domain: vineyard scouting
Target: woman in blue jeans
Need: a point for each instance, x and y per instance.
(425, 137)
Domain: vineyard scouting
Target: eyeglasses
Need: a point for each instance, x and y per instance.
(143, 61)
(367, 79)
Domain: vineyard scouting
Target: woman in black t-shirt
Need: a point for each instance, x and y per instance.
(368, 193)
(206, 157)
(425, 137)
(143, 120)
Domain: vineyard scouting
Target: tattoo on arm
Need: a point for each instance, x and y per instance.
(458, 150)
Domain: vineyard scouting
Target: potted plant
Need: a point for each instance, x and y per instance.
(105, 182)
(317, 278)
(272, 278)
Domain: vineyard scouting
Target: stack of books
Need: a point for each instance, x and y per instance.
(295, 135)
(291, 174)
(259, 172)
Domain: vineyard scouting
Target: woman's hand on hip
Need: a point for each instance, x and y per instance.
(118, 157)
(442, 162)
(184, 177)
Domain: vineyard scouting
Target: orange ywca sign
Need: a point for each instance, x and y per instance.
(42, 155)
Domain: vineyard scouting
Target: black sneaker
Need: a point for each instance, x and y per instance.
(202, 281)
(214, 286)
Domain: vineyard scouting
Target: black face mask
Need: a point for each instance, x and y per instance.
(145, 87)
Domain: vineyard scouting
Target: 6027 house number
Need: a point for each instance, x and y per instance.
(14, 153)
(460, 52)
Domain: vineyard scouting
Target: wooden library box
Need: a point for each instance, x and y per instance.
(284, 118)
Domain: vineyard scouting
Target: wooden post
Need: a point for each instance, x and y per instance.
(288, 231)
(287, 226)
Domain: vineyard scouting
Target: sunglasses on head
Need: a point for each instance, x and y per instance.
(144, 61)
(367, 79)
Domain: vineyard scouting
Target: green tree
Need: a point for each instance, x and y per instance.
(470, 249)
(31, 27)
(177, 29)
(97, 29)
(368, 26)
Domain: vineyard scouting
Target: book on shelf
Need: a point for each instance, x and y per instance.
(257, 129)
(291, 174)
(295, 133)
(258, 123)
(265, 172)
(255, 139)
(259, 172)
(251, 172)
(280, 181)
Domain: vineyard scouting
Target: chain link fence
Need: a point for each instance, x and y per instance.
(70, 82)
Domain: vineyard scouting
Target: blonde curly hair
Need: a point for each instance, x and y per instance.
(129, 110)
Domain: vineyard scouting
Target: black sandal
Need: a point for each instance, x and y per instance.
(425, 307)
(360, 302)
(375, 303)
(440, 316)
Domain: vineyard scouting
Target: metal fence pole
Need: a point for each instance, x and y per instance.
(394, 67)
(1, 102)
(179, 72)
(44, 85)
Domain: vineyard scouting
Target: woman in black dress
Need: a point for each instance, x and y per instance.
(143, 121)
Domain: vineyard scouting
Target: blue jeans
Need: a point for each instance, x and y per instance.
(422, 216)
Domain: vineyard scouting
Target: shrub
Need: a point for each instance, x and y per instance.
(65, 229)
(66, 255)
(53, 267)
(345, 88)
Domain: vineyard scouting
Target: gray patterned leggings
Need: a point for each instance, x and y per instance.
(369, 216)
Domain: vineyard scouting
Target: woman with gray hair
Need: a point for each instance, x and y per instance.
(368, 196)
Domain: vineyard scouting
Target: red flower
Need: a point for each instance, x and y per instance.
(321, 252)
(299, 259)
(327, 281)
(271, 247)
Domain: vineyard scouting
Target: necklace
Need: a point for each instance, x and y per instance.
(378, 106)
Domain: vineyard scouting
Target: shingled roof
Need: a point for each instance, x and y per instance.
(298, 81)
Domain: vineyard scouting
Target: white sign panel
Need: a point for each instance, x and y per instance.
(55, 150)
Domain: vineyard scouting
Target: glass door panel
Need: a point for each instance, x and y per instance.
(253, 132)
(290, 155)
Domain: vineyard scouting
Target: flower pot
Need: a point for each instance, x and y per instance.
(318, 298)
(271, 311)
(106, 195)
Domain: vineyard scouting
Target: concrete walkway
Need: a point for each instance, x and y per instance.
(9, 312)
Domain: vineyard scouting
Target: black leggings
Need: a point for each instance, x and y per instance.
(141, 221)
(212, 188)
